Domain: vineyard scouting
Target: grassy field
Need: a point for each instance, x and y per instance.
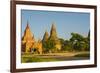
(26, 58)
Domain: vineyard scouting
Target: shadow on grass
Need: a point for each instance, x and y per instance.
(36, 59)
(82, 55)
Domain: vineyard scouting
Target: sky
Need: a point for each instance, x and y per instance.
(65, 22)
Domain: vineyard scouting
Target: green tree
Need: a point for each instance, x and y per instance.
(49, 46)
(79, 42)
(67, 46)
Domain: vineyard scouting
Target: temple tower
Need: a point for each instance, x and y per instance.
(27, 40)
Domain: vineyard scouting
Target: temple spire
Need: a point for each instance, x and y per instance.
(46, 36)
(53, 26)
(53, 33)
(27, 25)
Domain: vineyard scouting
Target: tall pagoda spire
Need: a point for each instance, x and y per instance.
(27, 31)
(53, 33)
(53, 26)
(28, 38)
(27, 25)
(45, 37)
(54, 38)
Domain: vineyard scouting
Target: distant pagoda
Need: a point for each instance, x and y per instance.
(53, 37)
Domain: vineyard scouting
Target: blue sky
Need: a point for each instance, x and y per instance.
(65, 22)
